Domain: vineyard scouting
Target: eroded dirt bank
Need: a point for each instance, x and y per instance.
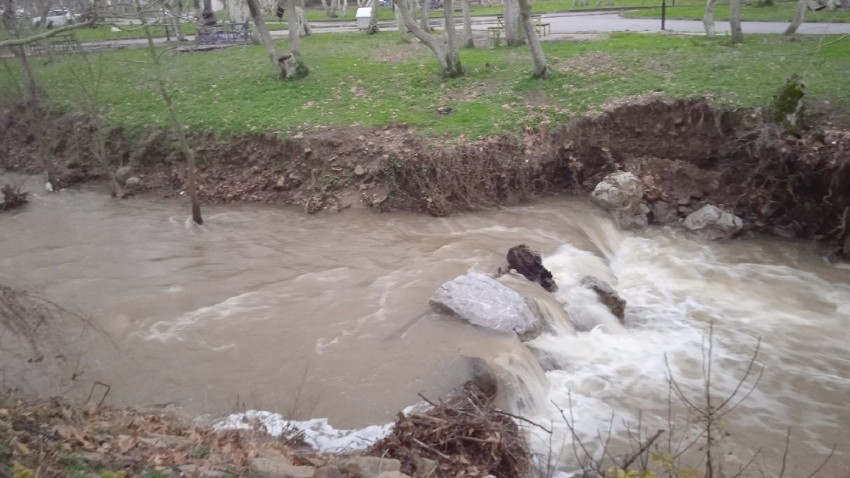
(687, 154)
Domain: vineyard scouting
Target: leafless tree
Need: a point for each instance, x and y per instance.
(467, 24)
(514, 33)
(289, 66)
(708, 18)
(799, 16)
(445, 48)
(176, 124)
(735, 21)
(540, 67)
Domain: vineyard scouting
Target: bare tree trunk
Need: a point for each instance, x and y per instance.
(426, 15)
(37, 117)
(708, 18)
(402, 28)
(373, 19)
(451, 37)
(304, 29)
(176, 124)
(450, 65)
(333, 8)
(175, 10)
(293, 67)
(735, 21)
(845, 4)
(540, 67)
(208, 15)
(513, 29)
(265, 38)
(799, 16)
(467, 25)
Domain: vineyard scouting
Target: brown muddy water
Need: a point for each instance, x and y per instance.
(327, 316)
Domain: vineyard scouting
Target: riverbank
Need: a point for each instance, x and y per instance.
(465, 435)
(687, 153)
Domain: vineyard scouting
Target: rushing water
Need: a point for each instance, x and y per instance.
(328, 316)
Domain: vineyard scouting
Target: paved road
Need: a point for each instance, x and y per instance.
(612, 22)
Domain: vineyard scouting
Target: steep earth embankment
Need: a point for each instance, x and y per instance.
(687, 153)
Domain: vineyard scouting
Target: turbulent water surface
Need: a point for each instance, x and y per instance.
(327, 316)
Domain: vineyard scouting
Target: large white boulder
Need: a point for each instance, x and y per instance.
(621, 193)
(481, 300)
(711, 222)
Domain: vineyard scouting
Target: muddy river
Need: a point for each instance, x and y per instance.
(327, 316)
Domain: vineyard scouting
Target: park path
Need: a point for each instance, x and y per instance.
(562, 24)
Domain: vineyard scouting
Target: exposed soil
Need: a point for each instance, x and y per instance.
(687, 153)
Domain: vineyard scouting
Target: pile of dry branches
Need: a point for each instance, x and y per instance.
(466, 435)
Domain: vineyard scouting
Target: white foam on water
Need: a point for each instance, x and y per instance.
(251, 305)
(318, 433)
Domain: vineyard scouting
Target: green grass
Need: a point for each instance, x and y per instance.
(780, 12)
(373, 81)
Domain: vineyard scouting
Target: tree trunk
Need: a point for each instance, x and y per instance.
(450, 65)
(845, 4)
(304, 29)
(266, 39)
(467, 25)
(708, 18)
(453, 58)
(540, 67)
(735, 21)
(799, 16)
(402, 28)
(426, 14)
(373, 18)
(333, 8)
(293, 66)
(513, 29)
(176, 124)
(207, 15)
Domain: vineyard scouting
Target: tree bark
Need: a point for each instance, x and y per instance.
(208, 15)
(453, 57)
(513, 29)
(373, 19)
(467, 25)
(708, 18)
(450, 65)
(540, 67)
(265, 37)
(426, 14)
(735, 21)
(799, 16)
(293, 66)
(304, 29)
(176, 124)
(402, 28)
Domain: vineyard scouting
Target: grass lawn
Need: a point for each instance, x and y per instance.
(374, 80)
(781, 12)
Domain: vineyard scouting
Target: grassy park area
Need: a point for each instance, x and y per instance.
(782, 11)
(374, 80)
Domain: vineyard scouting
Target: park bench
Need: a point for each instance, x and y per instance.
(224, 33)
(495, 33)
(61, 43)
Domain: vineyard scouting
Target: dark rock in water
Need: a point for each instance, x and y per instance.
(12, 197)
(529, 264)
(607, 295)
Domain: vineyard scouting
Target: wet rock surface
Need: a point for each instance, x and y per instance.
(607, 295)
(481, 300)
